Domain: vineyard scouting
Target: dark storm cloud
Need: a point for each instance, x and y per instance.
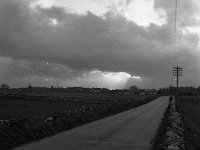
(24, 69)
(87, 42)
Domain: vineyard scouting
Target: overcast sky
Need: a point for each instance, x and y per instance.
(98, 43)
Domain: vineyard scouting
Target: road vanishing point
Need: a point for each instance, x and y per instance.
(134, 129)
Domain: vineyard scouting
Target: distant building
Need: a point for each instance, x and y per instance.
(5, 86)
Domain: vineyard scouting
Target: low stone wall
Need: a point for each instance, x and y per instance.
(174, 139)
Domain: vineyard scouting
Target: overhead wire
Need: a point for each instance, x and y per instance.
(175, 19)
(185, 9)
(188, 9)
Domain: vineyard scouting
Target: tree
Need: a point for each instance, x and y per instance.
(135, 89)
(5, 86)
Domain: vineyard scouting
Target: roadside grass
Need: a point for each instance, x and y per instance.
(189, 108)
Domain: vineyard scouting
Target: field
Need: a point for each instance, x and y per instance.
(15, 108)
(27, 117)
(189, 107)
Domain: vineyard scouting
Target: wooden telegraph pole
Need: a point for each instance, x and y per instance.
(177, 71)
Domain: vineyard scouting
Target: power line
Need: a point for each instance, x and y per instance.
(175, 31)
(177, 71)
(188, 10)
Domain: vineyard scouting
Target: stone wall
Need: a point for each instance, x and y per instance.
(174, 139)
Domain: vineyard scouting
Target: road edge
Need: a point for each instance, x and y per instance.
(161, 131)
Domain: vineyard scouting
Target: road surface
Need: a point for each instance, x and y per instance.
(130, 130)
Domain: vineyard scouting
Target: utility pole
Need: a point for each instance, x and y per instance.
(177, 71)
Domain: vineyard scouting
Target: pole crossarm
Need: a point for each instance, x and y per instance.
(177, 71)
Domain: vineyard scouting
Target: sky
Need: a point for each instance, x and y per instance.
(99, 43)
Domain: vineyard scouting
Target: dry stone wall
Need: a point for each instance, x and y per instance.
(174, 139)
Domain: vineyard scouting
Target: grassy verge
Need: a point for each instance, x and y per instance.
(189, 108)
(21, 131)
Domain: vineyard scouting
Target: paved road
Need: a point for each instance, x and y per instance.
(133, 129)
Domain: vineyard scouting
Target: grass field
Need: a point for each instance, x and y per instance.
(25, 117)
(189, 107)
(101, 96)
(15, 108)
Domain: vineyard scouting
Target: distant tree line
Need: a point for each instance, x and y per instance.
(171, 90)
(190, 91)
